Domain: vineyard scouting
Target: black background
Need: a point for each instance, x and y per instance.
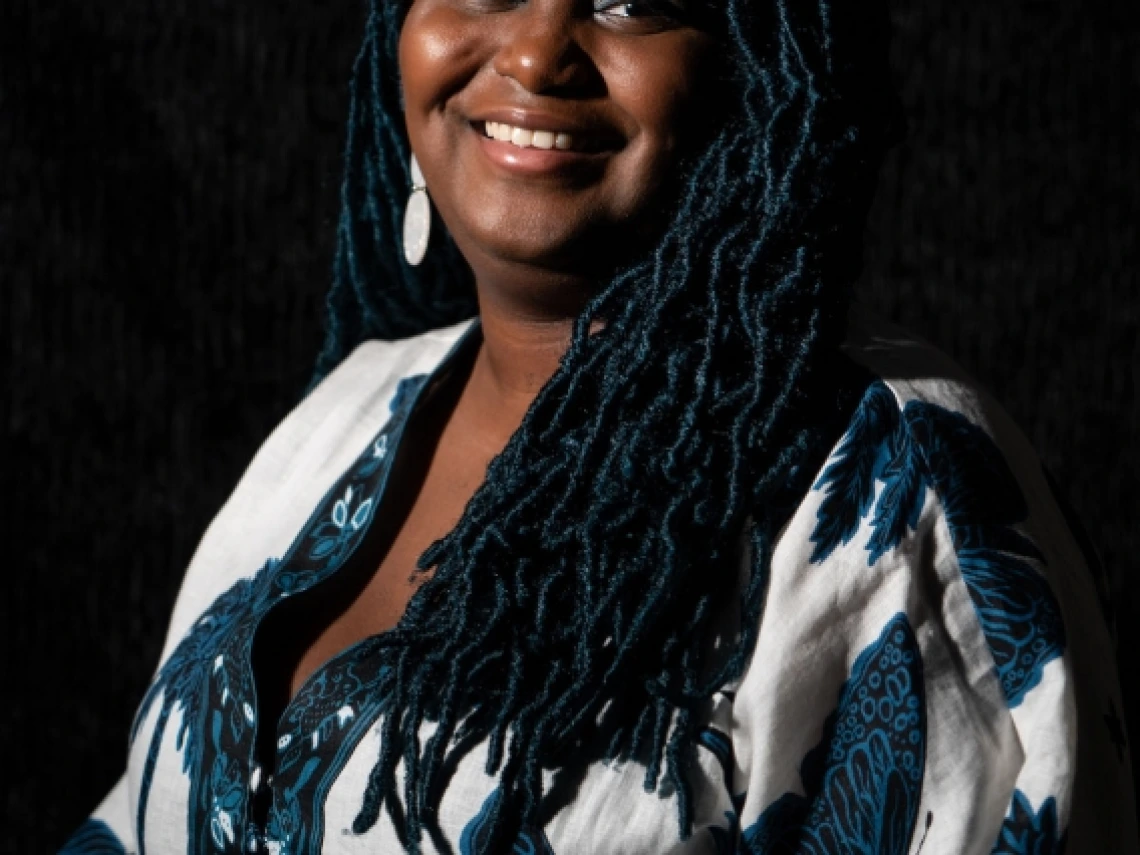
(168, 183)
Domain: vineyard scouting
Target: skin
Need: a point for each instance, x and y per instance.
(540, 231)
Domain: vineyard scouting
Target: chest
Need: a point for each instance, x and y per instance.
(200, 782)
(197, 779)
(230, 756)
(422, 503)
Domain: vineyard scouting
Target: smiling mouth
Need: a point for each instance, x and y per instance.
(546, 140)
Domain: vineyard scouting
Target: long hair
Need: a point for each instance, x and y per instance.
(570, 608)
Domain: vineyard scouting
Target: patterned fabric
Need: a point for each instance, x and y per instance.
(929, 447)
(915, 686)
(864, 780)
(209, 681)
(94, 837)
(1026, 832)
(532, 841)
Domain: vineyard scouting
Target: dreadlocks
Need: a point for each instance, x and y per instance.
(569, 606)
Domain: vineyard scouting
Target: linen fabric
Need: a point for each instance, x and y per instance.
(933, 672)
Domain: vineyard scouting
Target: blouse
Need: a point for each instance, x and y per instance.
(933, 672)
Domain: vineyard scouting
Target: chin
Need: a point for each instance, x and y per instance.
(554, 244)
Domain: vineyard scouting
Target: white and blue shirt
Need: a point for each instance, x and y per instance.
(933, 672)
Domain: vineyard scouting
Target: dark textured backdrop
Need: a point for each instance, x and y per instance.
(168, 178)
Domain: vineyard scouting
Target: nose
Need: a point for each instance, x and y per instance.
(541, 50)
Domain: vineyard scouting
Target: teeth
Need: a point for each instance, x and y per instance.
(524, 138)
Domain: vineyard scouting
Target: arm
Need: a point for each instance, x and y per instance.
(932, 664)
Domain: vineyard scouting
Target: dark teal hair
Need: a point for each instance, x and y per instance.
(569, 613)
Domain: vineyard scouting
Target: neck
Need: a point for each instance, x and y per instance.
(523, 345)
(520, 353)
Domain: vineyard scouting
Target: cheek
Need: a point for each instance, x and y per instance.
(665, 88)
(438, 53)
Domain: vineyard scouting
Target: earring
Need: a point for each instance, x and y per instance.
(417, 218)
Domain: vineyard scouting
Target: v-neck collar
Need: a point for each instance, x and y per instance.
(208, 680)
(336, 704)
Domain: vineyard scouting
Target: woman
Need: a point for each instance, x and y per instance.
(670, 550)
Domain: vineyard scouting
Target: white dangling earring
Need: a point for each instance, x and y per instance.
(417, 218)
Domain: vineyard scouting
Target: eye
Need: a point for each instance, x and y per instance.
(643, 14)
(491, 6)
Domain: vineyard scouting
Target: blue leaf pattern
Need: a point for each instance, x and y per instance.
(94, 837)
(196, 678)
(475, 837)
(320, 729)
(208, 680)
(863, 782)
(1026, 832)
(928, 446)
(1019, 616)
(1018, 613)
(849, 480)
(900, 504)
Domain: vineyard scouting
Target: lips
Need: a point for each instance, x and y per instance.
(544, 145)
(526, 129)
(526, 138)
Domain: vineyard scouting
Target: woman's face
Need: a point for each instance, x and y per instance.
(546, 129)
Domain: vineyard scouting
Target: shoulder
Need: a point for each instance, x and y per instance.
(300, 461)
(325, 432)
(921, 376)
(937, 426)
(930, 558)
(926, 442)
(370, 375)
(944, 446)
(333, 423)
(933, 417)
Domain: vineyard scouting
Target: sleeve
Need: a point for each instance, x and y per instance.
(933, 673)
(107, 831)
